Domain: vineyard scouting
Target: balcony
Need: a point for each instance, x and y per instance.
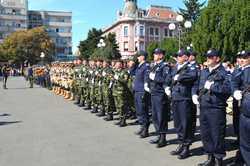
(60, 24)
(13, 17)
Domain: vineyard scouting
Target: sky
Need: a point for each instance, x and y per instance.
(93, 13)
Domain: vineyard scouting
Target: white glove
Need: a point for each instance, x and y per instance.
(238, 95)
(168, 91)
(116, 77)
(104, 74)
(96, 72)
(208, 84)
(176, 77)
(152, 76)
(195, 99)
(146, 88)
(91, 72)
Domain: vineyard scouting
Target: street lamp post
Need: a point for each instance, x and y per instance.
(179, 20)
(42, 56)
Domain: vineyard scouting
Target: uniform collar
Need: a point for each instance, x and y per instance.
(210, 69)
(243, 68)
(179, 66)
(142, 64)
(192, 62)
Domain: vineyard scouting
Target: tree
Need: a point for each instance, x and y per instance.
(110, 51)
(150, 49)
(28, 45)
(224, 25)
(88, 46)
(192, 10)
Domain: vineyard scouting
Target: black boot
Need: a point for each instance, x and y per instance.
(123, 122)
(162, 141)
(118, 123)
(144, 133)
(185, 152)
(94, 110)
(210, 161)
(218, 162)
(155, 140)
(109, 117)
(101, 113)
(178, 150)
(82, 104)
(87, 108)
(139, 131)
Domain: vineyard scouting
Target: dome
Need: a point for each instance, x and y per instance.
(130, 8)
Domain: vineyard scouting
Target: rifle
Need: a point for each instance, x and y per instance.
(180, 72)
(203, 91)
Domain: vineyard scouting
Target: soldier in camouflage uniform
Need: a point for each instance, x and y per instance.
(83, 83)
(120, 92)
(77, 88)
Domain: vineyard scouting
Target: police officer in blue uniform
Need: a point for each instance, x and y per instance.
(236, 109)
(159, 76)
(194, 64)
(183, 77)
(142, 97)
(241, 92)
(212, 93)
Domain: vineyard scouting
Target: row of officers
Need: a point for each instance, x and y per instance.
(162, 90)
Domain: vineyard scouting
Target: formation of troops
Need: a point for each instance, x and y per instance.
(160, 91)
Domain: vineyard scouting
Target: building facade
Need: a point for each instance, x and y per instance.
(135, 28)
(59, 28)
(13, 16)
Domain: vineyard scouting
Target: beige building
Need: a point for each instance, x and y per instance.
(13, 16)
(135, 28)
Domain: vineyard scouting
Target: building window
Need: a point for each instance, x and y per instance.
(125, 46)
(125, 31)
(166, 32)
(141, 30)
(142, 46)
(151, 31)
(156, 31)
(136, 46)
(57, 29)
(171, 33)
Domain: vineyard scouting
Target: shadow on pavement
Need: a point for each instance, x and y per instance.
(8, 123)
(5, 115)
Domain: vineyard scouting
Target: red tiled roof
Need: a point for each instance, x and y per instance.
(161, 13)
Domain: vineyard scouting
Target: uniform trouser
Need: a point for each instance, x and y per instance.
(121, 103)
(245, 138)
(182, 113)
(31, 80)
(236, 117)
(194, 118)
(213, 126)
(5, 78)
(88, 95)
(141, 105)
(131, 105)
(110, 102)
(160, 112)
(94, 96)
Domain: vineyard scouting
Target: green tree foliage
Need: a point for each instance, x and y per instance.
(27, 45)
(224, 25)
(170, 45)
(88, 46)
(192, 10)
(110, 51)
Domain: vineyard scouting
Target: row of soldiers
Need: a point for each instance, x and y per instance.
(184, 89)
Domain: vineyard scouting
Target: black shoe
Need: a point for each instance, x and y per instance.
(178, 150)
(77, 101)
(87, 108)
(109, 117)
(185, 153)
(94, 110)
(210, 161)
(123, 123)
(162, 141)
(82, 104)
(139, 131)
(155, 140)
(218, 162)
(144, 133)
(101, 113)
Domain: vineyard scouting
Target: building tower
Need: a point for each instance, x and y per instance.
(130, 8)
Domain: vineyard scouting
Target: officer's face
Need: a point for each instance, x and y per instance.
(141, 59)
(118, 65)
(130, 63)
(213, 61)
(191, 58)
(182, 59)
(246, 61)
(158, 57)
